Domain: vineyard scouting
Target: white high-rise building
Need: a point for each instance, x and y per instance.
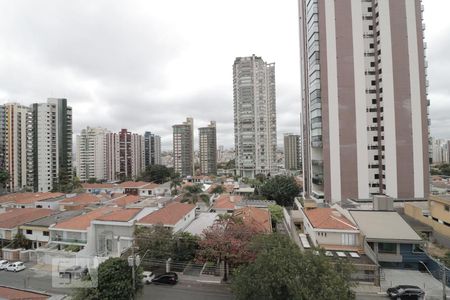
(112, 156)
(183, 147)
(152, 145)
(364, 99)
(255, 128)
(91, 154)
(52, 144)
(292, 152)
(17, 146)
(208, 149)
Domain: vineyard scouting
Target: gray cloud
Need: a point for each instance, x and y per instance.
(146, 64)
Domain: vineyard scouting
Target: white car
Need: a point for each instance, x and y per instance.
(3, 264)
(16, 267)
(147, 277)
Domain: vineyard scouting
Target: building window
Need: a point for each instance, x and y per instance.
(29, 231)
(45, 233)
(447, 208)
(387, 248)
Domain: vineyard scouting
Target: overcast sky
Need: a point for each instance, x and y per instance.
(146, 65)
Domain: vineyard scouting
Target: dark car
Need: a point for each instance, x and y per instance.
(166, 278)
(405, 292)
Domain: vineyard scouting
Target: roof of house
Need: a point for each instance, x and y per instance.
(132, 184)
(82, 222)
(383, 225)
(19, 294)
(97, 185)
(29, 198)
(80, 199)
(226, 201)
(19, 216)
(121, 215)
(203, 221)
(150, 186)
(258, 218)
(169, 215)
(124, 201)
(55, 218)
(329, 218)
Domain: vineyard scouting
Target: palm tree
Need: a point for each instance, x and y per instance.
(175, 182)
(194, 193)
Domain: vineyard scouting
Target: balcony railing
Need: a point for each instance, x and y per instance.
(68, 241)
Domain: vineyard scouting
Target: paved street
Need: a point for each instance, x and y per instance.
(187, 291)
(31, 279)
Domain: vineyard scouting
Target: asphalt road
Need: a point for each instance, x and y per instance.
(187, 291)
(31, 279)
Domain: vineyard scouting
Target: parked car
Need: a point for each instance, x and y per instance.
(3, 264)
(166, 278)
(405, 292)
(147, 277)
(16, 267)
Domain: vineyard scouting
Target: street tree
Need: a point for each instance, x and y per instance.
(184, 246)
(282, 271)
(283, 189)
(226, 241)
(155, 240)
(115, 281)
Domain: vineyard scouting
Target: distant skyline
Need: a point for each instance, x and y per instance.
(145, 66)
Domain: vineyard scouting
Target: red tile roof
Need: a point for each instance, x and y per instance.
(257, 218)
(18, 294)
(82, 222)
(121, 215)
(226, 201)
(19, 216)
(150, 186)
(169, 215)
(124, 201)
(29, 198)
(81, 199)
(328, 218)
(132, 184)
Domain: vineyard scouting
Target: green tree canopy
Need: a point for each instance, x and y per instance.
(4, 176)
(283, 189)
(282, 271)
(156, 239)
(276, 213)
(21, 241)
(184, 246)
(218, 189)
(114, 282)
(156, 173)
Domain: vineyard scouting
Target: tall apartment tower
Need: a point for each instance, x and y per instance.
(208, 149)
(52, 144)
(364, 99)
(131, 155)
(292, 152)
(17, 148)
(91, 154)
(152, 145)
(112, 156)
(255, 128)
(183, 147)
(2, 138)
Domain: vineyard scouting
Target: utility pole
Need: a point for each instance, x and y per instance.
(444, 282)
(133, 272)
